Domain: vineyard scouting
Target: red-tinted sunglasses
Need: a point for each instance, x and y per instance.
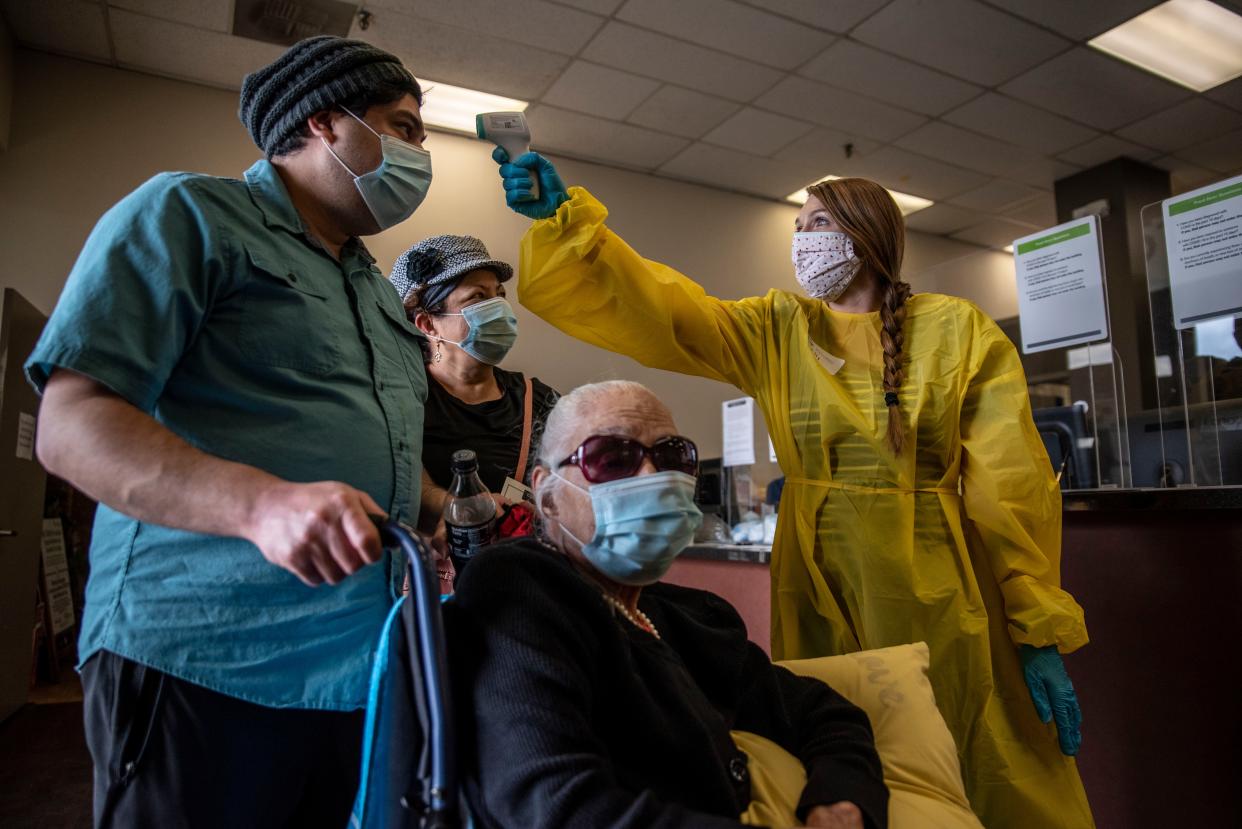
(604, 458)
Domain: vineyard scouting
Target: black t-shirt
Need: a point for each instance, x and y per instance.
(493, 429)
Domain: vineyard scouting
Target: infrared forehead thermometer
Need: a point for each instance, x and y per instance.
(509, 131)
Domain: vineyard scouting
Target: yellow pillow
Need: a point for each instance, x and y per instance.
(919, 756)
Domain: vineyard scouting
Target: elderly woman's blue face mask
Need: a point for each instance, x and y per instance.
(492, 330)
(642, 524)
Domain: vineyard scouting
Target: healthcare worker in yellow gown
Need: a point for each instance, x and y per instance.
(919, 502)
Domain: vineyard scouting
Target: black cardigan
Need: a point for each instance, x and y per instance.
(570, 716)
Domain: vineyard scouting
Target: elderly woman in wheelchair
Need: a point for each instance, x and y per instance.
(596, 696)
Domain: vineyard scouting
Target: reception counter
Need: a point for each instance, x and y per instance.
(1159, 573)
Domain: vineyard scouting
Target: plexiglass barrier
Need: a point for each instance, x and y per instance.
(1113, 414)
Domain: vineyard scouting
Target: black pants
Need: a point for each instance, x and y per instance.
(169, 754)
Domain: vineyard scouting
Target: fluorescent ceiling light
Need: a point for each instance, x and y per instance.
(905, 202)
(1195, 43)
(453, 108)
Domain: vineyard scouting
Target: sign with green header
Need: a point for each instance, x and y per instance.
(1203, 239)
(1231, 191)
(1060, 275)
(1055, 238)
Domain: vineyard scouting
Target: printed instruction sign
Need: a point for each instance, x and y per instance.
(1060, 274)
(25, 436)
(1203, 238)
(739, 432)
(56, 576)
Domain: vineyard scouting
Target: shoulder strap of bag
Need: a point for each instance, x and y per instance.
(528, 405)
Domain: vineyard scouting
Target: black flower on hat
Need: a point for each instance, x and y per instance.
(425, 264)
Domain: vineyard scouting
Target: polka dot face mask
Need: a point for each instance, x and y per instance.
(824, 263)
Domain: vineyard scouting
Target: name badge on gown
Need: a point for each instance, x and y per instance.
(831, 364)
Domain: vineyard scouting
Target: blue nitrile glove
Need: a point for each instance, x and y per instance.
(1053, 694)
(516, 177)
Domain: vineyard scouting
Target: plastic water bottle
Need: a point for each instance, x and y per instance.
(470, 511)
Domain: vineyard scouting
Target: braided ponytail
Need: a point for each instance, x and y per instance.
(870, 217)
(892, 338)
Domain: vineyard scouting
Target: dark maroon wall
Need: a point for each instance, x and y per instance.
(1158, 684)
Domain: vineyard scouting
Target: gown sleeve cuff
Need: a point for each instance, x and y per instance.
(1040, 615)
(581, 209)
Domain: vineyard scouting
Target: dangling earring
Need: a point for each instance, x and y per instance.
(438, 356)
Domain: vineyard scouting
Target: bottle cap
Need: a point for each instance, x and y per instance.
(464, 460)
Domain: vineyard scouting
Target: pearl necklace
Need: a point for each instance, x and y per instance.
(639, 621)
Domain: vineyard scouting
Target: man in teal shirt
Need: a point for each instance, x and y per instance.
(229, 375)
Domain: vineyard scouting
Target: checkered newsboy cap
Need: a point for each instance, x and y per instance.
(441, 262)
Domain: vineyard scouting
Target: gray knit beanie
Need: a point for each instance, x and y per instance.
(314, 74)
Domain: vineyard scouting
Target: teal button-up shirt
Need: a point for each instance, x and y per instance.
(205, 303)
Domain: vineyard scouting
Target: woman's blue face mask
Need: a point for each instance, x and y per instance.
(493, 330)
(641, 525)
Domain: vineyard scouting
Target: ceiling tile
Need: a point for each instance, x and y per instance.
(943, 219)
(1019, 123)
(682, 111)
(995, 233)
(966, 149)
(1095, 89)
(216, 15)
(911, 173)
(995, 196)
(434, 51)
(1104, 149)
(658, 56)
(588, 137)
(732, 28)
(604, 7)
(826, 147)
(1229, 94)
(1042, 172)
(532, 22)
(1186, 176)
(880, 75)
(1040, 211)
(757, 132)
(733, 170)
(1190, 122)
(178, 51)
(1223, 154)
(1080, 21)
(73, 27)
(833, 15)
(598, 90)
(990, 49)
(838, 109)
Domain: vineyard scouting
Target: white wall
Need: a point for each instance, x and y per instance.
(84, 135)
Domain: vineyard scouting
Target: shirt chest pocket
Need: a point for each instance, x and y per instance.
(287, 319)
(402, 348)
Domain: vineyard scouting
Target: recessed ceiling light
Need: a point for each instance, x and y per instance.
(1195, 43)
(449, 107)
(905, 202)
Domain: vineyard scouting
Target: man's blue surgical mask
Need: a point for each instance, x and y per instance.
(641, 525)
(394, 189)
(493, 330)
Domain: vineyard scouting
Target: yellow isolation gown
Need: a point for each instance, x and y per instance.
(955, 542)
